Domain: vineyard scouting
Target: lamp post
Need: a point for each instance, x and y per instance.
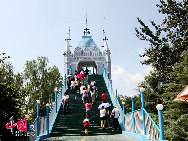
(133, 110)
(61, 81)
(27, 117)
(56, 98)
(123, 114)
(47, 105)
(143, 107)
(38, 109)
(65, 82)
(160, 114)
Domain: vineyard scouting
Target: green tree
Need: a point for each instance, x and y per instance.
(167, 54)
(40, 80)
(11, 99)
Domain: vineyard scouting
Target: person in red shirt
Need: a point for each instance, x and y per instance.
(86, 125)
(104, 97)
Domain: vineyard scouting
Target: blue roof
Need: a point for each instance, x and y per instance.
(87, 41)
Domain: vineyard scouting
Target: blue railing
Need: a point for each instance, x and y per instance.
(44, 124)
(138, 123)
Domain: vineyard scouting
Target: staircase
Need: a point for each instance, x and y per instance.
(69, 126)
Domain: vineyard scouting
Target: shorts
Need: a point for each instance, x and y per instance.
(86, 127)
(103, 118)
(93, 95)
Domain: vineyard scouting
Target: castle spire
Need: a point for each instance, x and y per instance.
(86, 30)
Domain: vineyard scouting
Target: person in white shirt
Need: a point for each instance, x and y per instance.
(66, 102)
(72, 85)
(81, 88)
(116, 114)
(103, 117)
(92, 82)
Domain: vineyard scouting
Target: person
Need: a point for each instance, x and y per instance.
(104, 97)
(77, 85)
(86, 124)
(72, 85)
(84, 95)
(82, 80)
(108, 117)
(96, 90)
(86, 71)
(85, 80)
(66, 102)
(81, 88)
(92, 82)
(92, 91)
(103, 117)
(68, 83)
(116, 114)
(88, 107)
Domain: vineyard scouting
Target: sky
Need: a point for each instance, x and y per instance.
(31, 28)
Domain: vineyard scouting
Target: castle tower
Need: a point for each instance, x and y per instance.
(87, 54)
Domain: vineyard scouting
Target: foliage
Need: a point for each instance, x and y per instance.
(11, 98)
(40, 82)
(168, 55)
(3, 58)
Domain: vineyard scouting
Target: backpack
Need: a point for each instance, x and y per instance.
(86, 124)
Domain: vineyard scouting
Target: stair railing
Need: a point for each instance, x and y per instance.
(43, 125)
(137, 121)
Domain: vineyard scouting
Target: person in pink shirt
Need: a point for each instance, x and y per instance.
(88, 106)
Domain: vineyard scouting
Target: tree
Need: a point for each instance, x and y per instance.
(11, 95)
(40, 82)
(167, 54)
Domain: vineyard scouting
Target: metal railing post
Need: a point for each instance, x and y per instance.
(111, 85)
(133, 110)
(123, 114)
(38, 109)
(56, 98)
(143, 107)
(160, 114)
(47, 105)
(116, 97)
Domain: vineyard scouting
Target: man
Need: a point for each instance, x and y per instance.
(66, 102)
(104, 97)
(116, 114)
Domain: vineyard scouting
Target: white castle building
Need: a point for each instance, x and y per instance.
(87, 54)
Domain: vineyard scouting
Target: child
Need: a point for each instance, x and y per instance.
(86, 125)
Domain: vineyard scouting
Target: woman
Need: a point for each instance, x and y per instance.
(92, 91)
(103, 117)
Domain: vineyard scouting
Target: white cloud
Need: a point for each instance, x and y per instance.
(125, 81)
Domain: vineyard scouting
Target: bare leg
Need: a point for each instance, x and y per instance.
(101, 123)
(104, 123)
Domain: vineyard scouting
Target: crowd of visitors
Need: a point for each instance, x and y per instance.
(79, 84)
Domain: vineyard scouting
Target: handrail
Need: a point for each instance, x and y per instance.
(43, 133)
(34, 121)
(134, 111)
(151, 120)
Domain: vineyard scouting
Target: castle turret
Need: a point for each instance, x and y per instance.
(67, 57)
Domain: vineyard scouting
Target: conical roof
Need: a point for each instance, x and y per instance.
(87, 41)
